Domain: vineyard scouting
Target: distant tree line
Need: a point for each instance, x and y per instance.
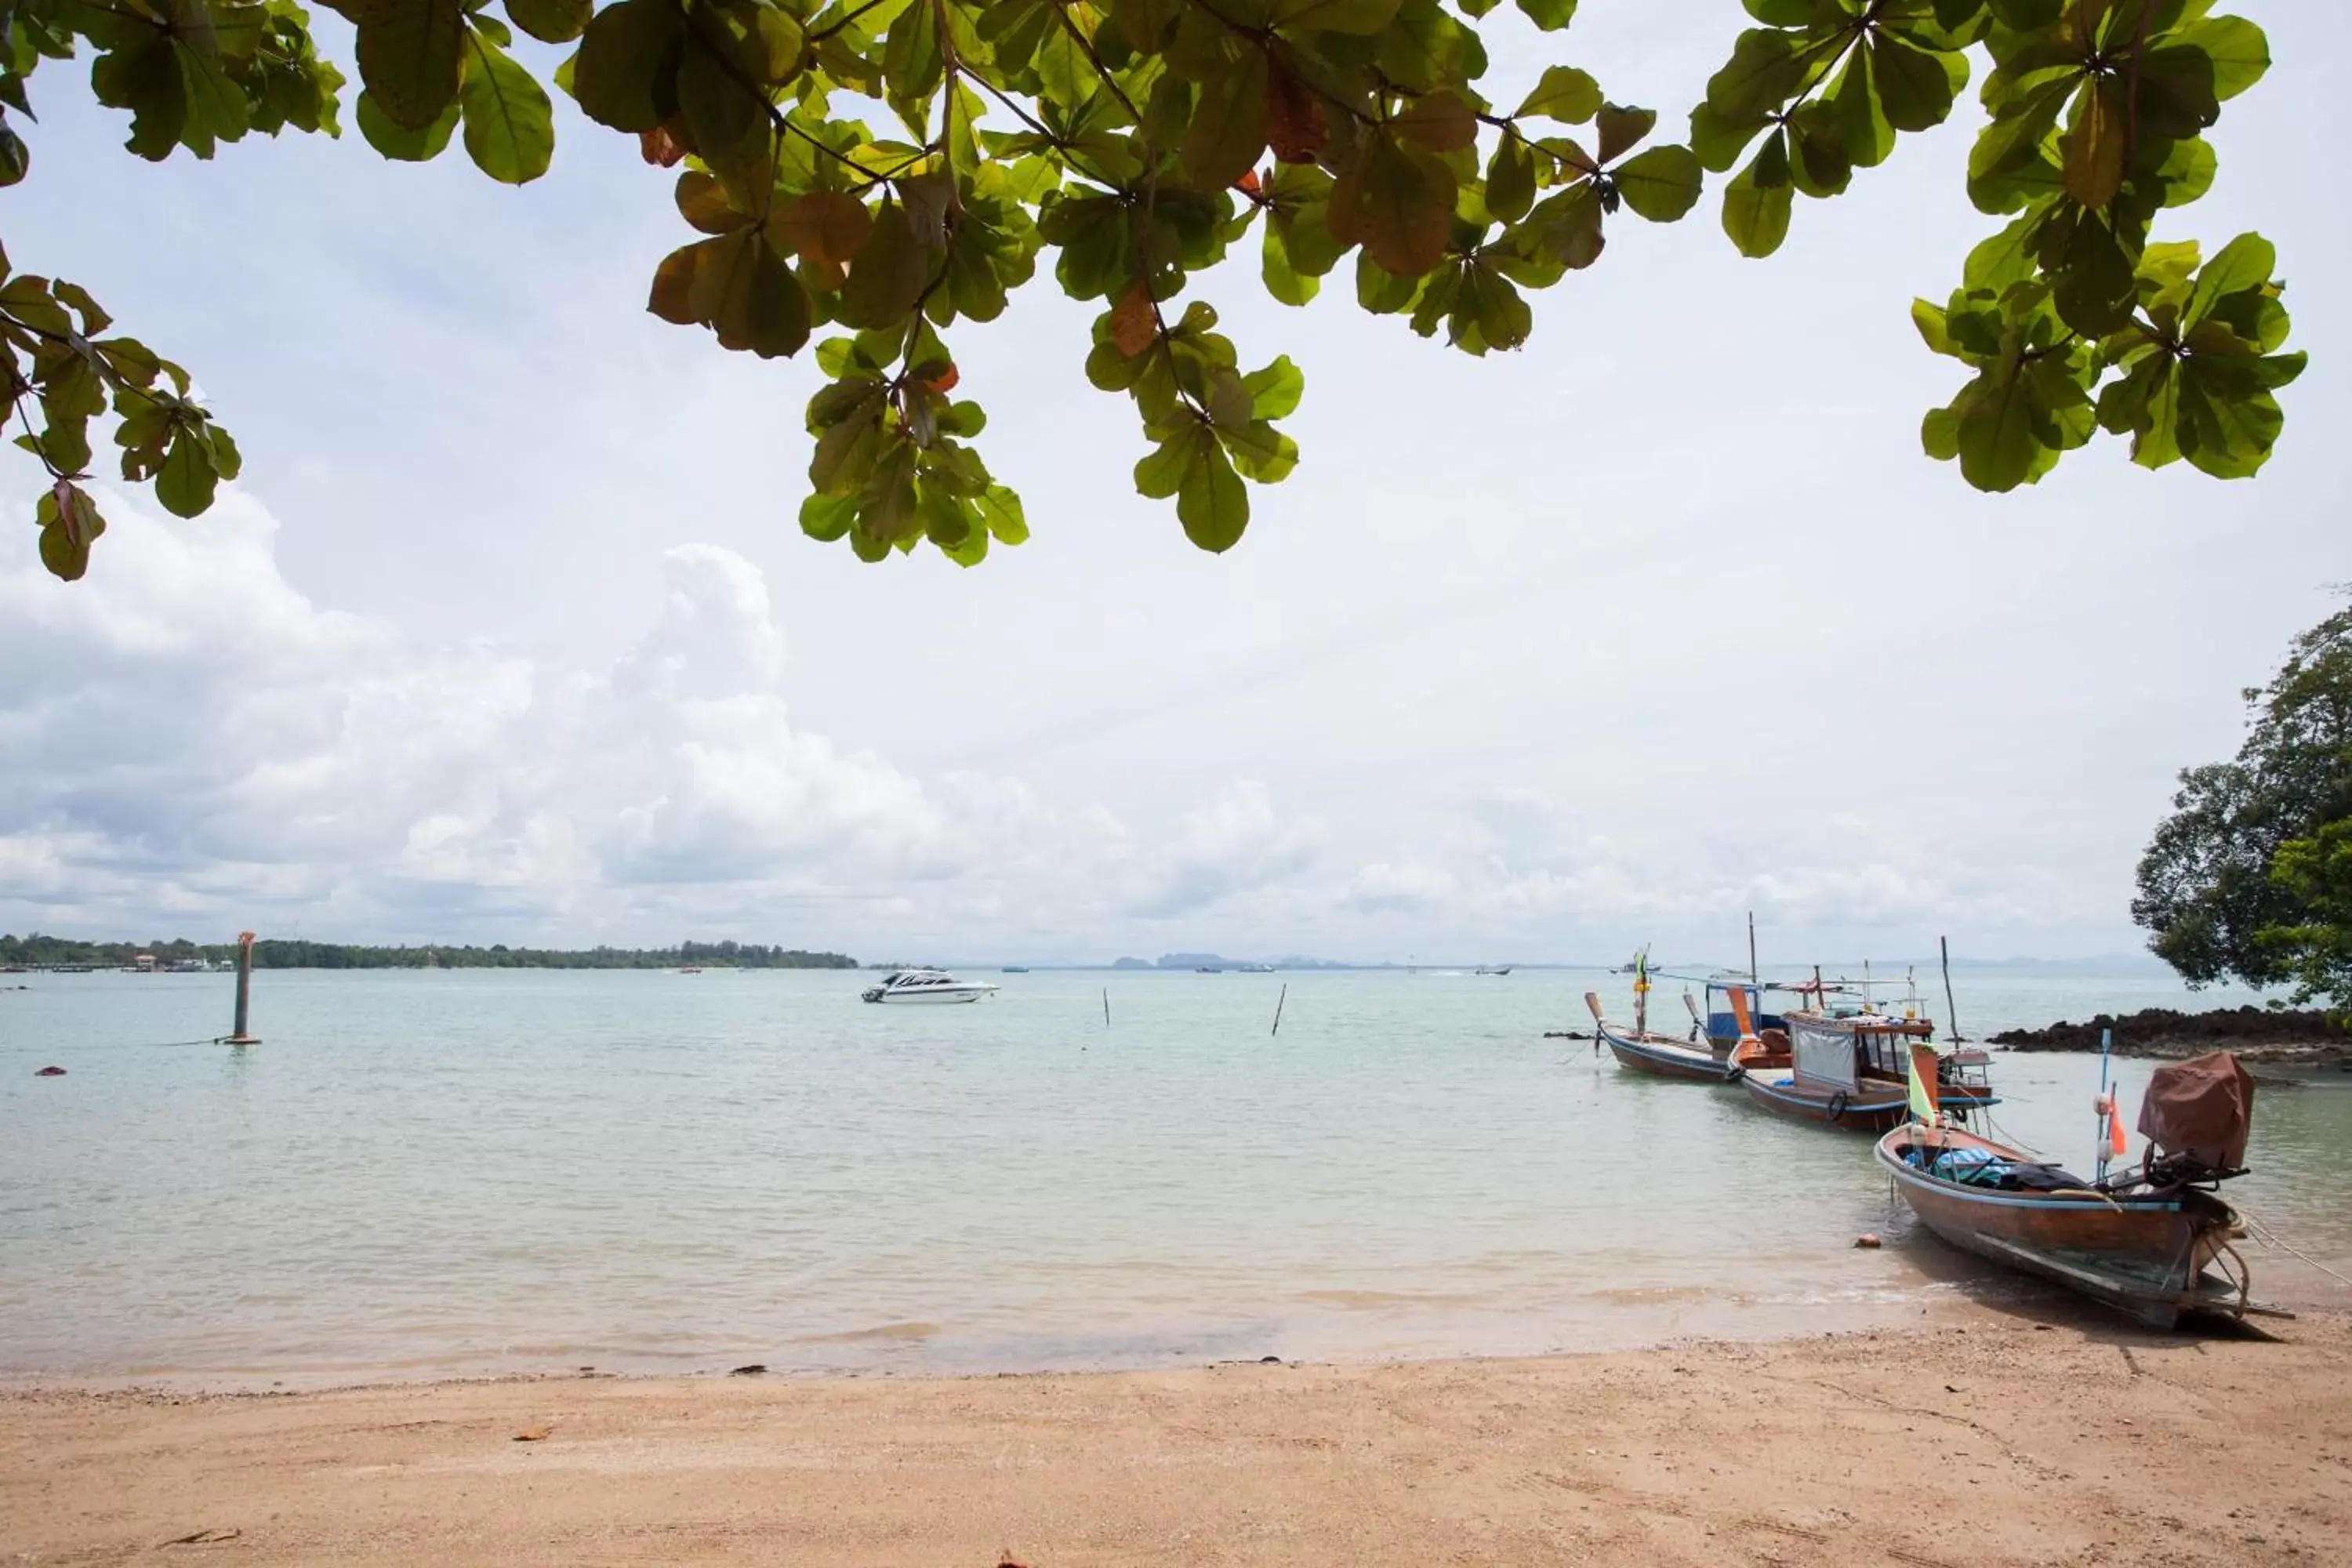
(37, 950)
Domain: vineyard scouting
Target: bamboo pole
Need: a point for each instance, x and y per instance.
(1105, 1006)
(1951, 1007)
(1277, 1010)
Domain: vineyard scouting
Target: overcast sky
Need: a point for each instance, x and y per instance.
(509, 634)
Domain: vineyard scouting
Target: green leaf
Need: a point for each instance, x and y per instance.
(509, 124)
(749, 297)
(2093, 149)
(1211, 500)
(887, 274)
(1757, 201)
(67, 530)
(1662, 184)
(1996, 440)
(2246, 262)
(1510, 180)
(1363, 17)
(912, 58)
(828, 518)
(1916, 87)
(1397, 202)
(551, 21)
(1622, 129)
(397, 141)
(1160, 472)
(411, 55)
(1552, 15)
(1767, 67)
(2093, 284)
(1000, 509)
(184, 483)
(1227, 133)
(2239, 53)
(1565, 94)
(1275, 390)
(626, 74)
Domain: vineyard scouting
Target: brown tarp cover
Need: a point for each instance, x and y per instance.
(2202, 1107)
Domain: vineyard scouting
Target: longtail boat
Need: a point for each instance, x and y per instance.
(1662, 1055)
(1850, 1069)
(2147, 1241)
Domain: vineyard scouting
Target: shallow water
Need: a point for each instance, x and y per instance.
(436, 1173)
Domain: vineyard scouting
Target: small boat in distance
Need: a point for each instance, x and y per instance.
(1492, 969)
(928, 986)
(1016, 969)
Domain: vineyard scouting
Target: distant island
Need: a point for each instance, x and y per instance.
(37, 951)
(1218, 960)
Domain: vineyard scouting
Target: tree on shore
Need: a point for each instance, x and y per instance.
(1141, 142)
(2250, 879)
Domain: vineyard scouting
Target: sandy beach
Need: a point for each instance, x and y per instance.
(1997, 1441)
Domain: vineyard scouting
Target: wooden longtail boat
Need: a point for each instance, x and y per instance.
(2145, 1247)
(1850, 1070)
(1662, 1055)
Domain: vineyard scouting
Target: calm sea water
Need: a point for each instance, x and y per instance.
(432, 1173)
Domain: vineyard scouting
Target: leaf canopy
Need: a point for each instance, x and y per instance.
(868, 174)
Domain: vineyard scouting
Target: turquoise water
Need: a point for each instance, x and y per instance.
(432, 1173)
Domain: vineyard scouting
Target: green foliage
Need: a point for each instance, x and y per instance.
(870, 173)
(2251, 878)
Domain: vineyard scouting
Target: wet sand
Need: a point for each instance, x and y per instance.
(1997, 1442)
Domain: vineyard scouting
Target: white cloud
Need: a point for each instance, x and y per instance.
(209, 740)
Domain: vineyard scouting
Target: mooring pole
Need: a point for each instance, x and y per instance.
(1278, 1009)
(1950, 1006)
(241, 1036)
(1105, 1006)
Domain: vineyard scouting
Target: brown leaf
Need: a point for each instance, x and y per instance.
(1248, 184)
(946, 380)
(1132, 327)
(533, 1434)
(1293, 118)
(658, 148)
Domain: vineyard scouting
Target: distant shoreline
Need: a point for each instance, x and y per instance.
(39, 953)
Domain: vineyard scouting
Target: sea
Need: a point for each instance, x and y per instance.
(425, 1174)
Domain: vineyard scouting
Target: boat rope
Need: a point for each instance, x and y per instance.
(2272, 1238)
(2084, 1193)
(142, 1045)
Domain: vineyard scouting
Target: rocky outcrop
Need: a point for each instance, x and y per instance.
(2272, 1035)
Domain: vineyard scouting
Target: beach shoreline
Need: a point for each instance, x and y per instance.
(2063, 1436)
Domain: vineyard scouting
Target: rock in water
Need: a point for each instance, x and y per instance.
(50, 1072)
(1867, 1239)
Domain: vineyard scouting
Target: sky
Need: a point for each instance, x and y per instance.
(508, 633)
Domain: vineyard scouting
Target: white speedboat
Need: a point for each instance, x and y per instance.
(927, 985)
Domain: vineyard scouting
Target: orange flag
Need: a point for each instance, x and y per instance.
(2117, 1144)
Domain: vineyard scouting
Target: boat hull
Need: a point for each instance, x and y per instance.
(929, 998)
(1871, 1108)
(1664, 1057)
(2144, 1256)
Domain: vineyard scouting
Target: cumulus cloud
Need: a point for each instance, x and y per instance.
(204, 741)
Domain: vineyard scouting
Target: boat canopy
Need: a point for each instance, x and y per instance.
(1822, 1055)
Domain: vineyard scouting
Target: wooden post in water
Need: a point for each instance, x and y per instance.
(1950, 1007)
(1105, 1006)
(1277, 1010)
(241, 1036)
